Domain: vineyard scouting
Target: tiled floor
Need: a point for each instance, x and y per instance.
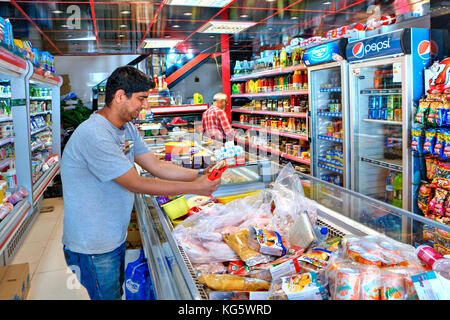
(42, 249)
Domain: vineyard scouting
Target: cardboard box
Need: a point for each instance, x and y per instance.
(65, 87)
(14, 281)
(133, 239)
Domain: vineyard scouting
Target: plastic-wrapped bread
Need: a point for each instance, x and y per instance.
(229, 282)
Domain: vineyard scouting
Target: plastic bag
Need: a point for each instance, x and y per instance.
(138, 282)
(229, 282)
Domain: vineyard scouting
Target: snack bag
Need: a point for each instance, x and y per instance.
(424, 197)
(439, 201)
(266, 242)
(239, 268)
(430, 137)
(422, 111)
(446, 152)
(442, 176)
(441, 113)
(439, 144)
(432, 113)
(304, 286)
(431, 165)
(229, 282)
(317, 257)
(417, 139)
(239, 243)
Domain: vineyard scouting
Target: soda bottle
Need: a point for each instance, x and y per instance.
(434, 260)
(389, 195)
(398, 187)
(390, 108)
(283, 58)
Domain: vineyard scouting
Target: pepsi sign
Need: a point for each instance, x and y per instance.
(324, 52)
(383, 45)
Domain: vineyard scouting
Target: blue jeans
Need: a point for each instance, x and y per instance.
(101, 274)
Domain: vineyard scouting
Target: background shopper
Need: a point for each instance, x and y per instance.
(215, 121)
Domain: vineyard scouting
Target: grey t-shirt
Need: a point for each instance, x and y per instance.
(96, 208)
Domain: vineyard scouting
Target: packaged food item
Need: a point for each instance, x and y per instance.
(417, 139)
(196, 201)
(213, 267)
(439, 144)
(392, 285)
(304, 286)
(230, 282)
(354, 252)
(422, 111)
(238, 295)
(431, 165)
(317, 257)
(239, 243)
(301, 233)
(442, 176)
(432, 113)
(239, 268)
(441, 115)
(347, 284)
(430, 137)
(446, 152)
(437, 203)
(266, 242)
(424, 197)
(370, 283)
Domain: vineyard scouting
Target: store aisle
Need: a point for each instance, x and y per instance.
(42, 249)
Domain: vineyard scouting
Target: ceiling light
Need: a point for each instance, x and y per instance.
(125, 12)
(57, 11)
(175, 26)
(160, 43)
(190, 54)
(188, 13)
(64, 26)
(270, 0)
(293, 18)
(200, 43)
(225, 26)
(328, 2)
(212, 36)
(244, 16)
(199, 3)
(121, 36)
(123, 26)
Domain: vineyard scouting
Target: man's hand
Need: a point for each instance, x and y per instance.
(204, 186)
(208, 170)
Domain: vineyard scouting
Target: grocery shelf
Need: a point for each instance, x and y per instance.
(41, 184)
(324, 166)
(276, 132)
(37, 146)
(180, 108)
(330, 89)
(10, 224)
(6, 119)
(395, 165)
(394, 123)
(332, 139)
(4, 163)
(43, 77)
(381, 91)
(39, 130)
(6, 140)
(11, 64)
(270, 94)
(272, 113)
(267, 73)
(5, 96)
(40, 113)
(273, 151)
(40, 98)
(330, 114)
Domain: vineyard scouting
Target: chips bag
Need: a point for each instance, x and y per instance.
(439, 144)
(424, 197)
(417, 139)
(439, 201)
(442, 176)
(441, 114)
(432, 114)
(446, 152)
(430, 137)
(422, 111)
(431, 164)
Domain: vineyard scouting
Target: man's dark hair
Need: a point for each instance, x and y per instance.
(130, 80)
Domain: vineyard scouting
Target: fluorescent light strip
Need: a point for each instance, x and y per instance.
(199, 3)
(226, 27)
(160, 43)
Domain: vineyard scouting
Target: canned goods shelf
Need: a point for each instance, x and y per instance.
(330, 90)
(276, 132)
(324, 166)
(381, 91)
(268, 72)
(330, 114)
(332, 139)
(385, 163)
(272, 113)
(396, 123)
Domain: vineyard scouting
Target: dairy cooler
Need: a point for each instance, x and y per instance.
(343, 212)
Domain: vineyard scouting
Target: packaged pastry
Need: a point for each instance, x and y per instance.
(304, 286)
(422, 111)
(431, 165)
(317, 257)
(266, 242)
(230, 282)
(239, 243)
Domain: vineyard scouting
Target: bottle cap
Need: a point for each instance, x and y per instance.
(324, 230)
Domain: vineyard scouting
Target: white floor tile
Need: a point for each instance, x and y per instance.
(30, 252)
(58, 230)
(41, 230)
(53, 257)
(56, 285)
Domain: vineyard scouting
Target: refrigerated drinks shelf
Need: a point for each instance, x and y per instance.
(395, 123)
(391, 164)
(381, 91)
(271, 113)
(330, 89)
(324, 166)
(270, 94)
(329, 114)
(273, 151)
(276, 132)
(332, 139)
(267, 73)
(41, 98)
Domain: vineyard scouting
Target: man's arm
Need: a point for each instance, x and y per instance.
(164, 169)
(135, 183)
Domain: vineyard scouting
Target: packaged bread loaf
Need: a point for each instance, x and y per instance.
(229, 282)
(239, 243)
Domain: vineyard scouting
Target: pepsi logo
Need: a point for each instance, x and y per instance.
(358, 50)
(424, 49)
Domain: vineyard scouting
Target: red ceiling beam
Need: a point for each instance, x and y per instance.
(35, 25)
(91, 2)
(151, 23)
(188, 66)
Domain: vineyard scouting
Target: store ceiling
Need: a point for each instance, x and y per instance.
(99, 27)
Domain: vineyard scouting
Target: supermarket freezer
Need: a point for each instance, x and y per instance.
(173, 274)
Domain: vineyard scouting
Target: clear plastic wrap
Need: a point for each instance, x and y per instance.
(303, 286)
(229, 282)
(214, 267)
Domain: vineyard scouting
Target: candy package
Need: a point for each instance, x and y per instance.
(438, 202)
(446, 152)
(229, 282)
(430, 137)
(424, 197)
(422, 111)
(439, 144)
(417, 139)
(442, 176)
(304, 286)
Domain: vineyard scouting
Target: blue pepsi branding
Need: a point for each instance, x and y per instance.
(322, 53)
(382, 45)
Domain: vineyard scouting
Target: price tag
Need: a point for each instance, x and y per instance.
(397, 72)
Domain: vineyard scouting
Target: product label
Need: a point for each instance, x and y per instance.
(431, 286)
(289, 267)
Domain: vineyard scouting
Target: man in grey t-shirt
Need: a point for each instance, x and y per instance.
(99, 179)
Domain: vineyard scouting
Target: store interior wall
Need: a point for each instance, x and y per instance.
(84, 72)
(206, 80)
